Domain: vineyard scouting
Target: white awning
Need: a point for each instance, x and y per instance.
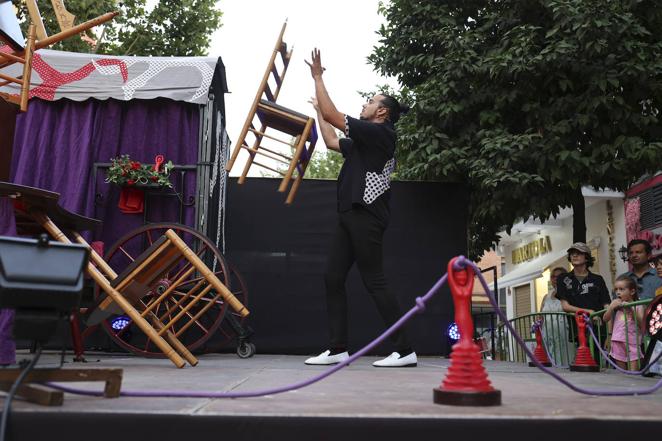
(529, 270)
(80, 76)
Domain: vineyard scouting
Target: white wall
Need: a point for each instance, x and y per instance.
(510, 303)
(596, 228)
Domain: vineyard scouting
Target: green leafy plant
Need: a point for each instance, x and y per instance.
(126, 172)
(181, 28)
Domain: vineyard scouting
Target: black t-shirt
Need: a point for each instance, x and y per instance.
(365, 176)
(590, 293)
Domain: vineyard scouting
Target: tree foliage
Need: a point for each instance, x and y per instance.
(526, 100)
(324, 165)
(171, 28)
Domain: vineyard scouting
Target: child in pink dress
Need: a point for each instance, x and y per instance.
(627, 321)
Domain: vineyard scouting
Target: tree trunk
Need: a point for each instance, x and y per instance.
(578, 217)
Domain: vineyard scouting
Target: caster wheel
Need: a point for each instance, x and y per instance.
(246, 350)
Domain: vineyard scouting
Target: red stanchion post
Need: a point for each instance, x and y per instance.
(466, 383)
(539, 352)
(583, 359)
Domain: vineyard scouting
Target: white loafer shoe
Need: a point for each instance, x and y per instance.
(325, 359)
(395, 360)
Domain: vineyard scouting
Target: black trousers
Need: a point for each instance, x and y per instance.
(358, 238)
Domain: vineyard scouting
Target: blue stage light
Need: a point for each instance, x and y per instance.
(453, 332)
(120, 322)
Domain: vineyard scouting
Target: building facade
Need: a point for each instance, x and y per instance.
(533, 249)
(643, 212)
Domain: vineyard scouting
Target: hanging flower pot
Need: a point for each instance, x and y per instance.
(135, 177)
(132, 200)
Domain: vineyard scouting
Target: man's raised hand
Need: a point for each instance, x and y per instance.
(316, 69)
(313, 101)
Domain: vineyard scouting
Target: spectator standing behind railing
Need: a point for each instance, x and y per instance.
(627, 324)
(580, 289)
(639, 256)
(555, 327)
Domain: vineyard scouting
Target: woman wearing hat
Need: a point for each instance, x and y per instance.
(580, 289)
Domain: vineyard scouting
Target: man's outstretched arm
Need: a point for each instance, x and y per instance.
(328, 133)
(327, 109)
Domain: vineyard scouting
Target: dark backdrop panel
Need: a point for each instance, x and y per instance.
(281, 252)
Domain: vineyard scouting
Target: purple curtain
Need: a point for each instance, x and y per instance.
(56, 144)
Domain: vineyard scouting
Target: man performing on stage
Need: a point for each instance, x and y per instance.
(363, 214)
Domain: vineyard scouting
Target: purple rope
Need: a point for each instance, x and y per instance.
(419, 307)
(645, 391)
(460, 263)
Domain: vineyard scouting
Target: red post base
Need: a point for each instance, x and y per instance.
(466, 382)
(546, 364)
(460, 398)
(539, 353)
(581, 368)
(584, 361)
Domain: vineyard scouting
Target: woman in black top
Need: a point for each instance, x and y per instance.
(363, 214)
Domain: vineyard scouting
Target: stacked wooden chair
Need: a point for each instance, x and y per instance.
(162, 318)
(10, 34)
(22, 51)
(266, 114)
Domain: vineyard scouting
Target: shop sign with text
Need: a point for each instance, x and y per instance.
(532, 250)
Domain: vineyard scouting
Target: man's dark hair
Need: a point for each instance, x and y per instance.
(644, 242)
(394, 108)
(589, 258)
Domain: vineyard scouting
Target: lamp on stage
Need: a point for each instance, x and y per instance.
(453, 334)
(42, 281)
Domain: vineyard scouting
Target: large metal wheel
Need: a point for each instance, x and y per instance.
(198, 330)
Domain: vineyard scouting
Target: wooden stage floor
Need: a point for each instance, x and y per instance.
(357, 402)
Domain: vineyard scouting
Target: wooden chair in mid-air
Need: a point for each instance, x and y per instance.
(163, 292)
(267, 114)
(22, 51)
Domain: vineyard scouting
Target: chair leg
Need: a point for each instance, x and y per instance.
(251, 156)
(299, 178)
(297, 155)
(178, 345)
(27, 69)
(199, 265)
(241, 139)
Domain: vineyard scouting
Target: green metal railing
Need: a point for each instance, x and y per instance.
(559, 333)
